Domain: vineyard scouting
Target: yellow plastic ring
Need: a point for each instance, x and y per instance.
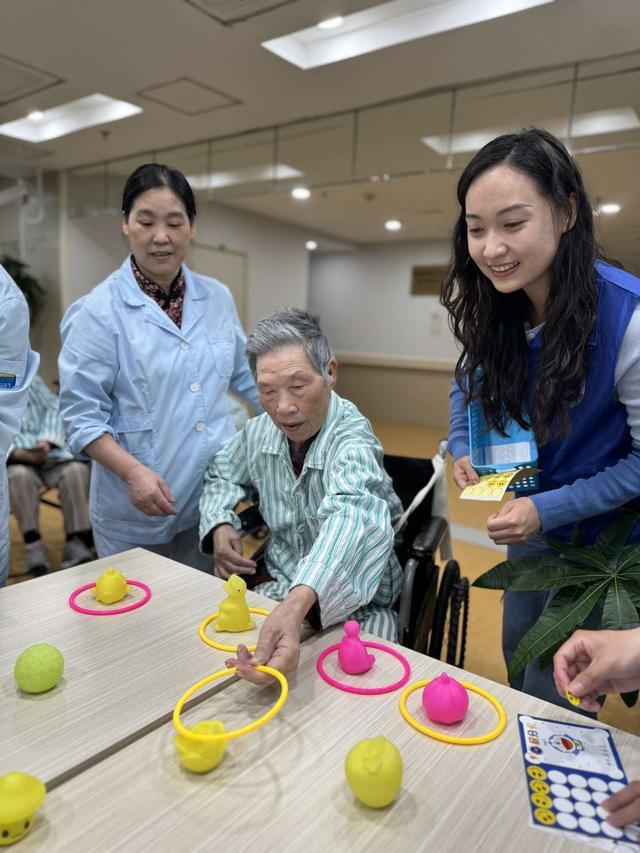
(223, 736)
(463, 741)
(221, 646)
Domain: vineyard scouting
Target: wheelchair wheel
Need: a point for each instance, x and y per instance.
(458, 621)
(450, 576)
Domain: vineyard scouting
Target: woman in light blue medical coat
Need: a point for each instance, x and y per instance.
(146, 361)
(18, 366)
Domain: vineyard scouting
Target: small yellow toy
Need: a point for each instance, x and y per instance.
(201, 757)
(571, 698)
(21, 796)
(111, 586)
(234, 611)
(374, 771)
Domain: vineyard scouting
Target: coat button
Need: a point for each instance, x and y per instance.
(195, 386)
(200, 426)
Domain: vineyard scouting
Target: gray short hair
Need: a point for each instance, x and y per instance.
(290, 327)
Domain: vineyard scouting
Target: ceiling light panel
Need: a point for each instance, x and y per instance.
(68, 118)
(386, 25)
(248, 175)
(585, 124)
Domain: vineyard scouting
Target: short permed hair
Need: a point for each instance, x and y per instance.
(290, 327)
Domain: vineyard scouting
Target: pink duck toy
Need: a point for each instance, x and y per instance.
(353, 656)
(445, 700)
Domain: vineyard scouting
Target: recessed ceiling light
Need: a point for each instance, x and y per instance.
(393, 224)
(387, 24)
(67, 118)
(35, 115)
(610, 208)
(311, 245)
(301, 193)
(331, 23)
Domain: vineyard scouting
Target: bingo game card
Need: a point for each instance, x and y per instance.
(570, 770)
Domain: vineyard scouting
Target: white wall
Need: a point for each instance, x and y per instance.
(277, 261)
(365, 305)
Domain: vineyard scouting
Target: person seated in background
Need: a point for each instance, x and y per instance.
(324, 494)
(39, 458)
(589, 664)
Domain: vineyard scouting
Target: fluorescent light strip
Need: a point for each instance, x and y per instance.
(586, 124)
(249, 175)
(68, 118)
(386, 25)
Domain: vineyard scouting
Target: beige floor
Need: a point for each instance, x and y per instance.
(484, 654)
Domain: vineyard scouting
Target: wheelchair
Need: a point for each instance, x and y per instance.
(433, 606)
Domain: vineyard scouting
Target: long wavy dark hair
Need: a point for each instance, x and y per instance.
(490, 326)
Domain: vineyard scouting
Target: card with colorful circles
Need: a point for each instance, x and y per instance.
(570, 770)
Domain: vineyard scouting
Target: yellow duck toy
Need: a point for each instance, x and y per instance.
(21, 796)
(111, 586)
(234, 611)
(201, 757)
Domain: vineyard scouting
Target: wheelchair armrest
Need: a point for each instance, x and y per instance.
(250, 518)
(429, 538)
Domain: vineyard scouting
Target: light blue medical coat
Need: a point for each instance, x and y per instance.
(18, 366)
(126, 369)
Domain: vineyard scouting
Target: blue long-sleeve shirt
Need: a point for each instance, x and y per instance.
(590, 492)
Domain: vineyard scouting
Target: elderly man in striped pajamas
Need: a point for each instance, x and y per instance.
(324, 495)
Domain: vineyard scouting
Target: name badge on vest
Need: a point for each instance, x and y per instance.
(7, 380)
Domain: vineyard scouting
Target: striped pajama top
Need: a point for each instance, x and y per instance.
(331, 527)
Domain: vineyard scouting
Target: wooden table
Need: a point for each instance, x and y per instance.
(121, 672)
(283, 787)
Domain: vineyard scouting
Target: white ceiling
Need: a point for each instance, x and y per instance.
(122, 48)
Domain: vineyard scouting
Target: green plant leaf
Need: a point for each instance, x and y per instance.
(630, 699)
(587, 555)
(631, 576)
(555, 624)
(619, 611)
(613, 538)
(557, 576)
(629, 558)
(503, 574)
(632, 590)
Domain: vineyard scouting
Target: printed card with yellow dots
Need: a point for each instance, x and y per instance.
(570, 771)
(492, 487)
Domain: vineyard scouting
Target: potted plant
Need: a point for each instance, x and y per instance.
(603, 578)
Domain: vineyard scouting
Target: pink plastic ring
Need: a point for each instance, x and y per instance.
(366, 691)
(115, 611)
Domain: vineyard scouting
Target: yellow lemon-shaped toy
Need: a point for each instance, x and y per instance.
(39, 668)
(21, 796)
(111, 586)
(201, 757)
(374, 771)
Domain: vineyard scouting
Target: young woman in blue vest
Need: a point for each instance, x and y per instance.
(147, 358)
(555, 332)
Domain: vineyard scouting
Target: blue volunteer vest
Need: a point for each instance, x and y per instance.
(599, 435)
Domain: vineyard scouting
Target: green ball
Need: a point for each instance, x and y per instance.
(39, 668)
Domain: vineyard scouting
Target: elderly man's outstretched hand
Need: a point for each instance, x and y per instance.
(279, 641)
